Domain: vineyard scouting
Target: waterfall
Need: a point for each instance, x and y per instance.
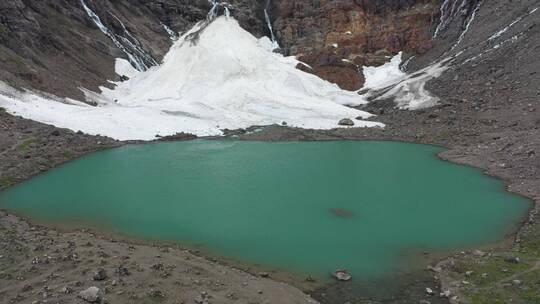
(138, 58)
(404, 66)
(443, 19)
(505, 29)
(172, 34)
(448, 11)
(275, 44)
(214, 11)
(494, 42)
(468, 24)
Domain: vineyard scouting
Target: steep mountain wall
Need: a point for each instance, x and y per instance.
(54, 46)
(337, 37)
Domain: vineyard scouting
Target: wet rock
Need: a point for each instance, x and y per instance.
(123, 271)
(445, 294)
(100, 275)
(512, 259)
(55, 133)
(434, 269)
(91, 295)
(158, 267)
(26, 288)
(341, 275)
(156, 293)
(346, 122)
(204, 298)
(478, 253)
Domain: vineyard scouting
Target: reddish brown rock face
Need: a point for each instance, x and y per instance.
(337, 37)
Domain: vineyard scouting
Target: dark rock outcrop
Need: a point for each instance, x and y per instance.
(336, 38)
(54, 46)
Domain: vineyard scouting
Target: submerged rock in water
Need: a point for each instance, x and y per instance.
(342, 275)
(342, 212)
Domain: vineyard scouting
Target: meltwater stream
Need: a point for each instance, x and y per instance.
(304, 207)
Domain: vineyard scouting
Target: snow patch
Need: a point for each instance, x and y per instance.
(406, 90)
(410, 93)
(122, 67)
(213, 78)
(385, 75)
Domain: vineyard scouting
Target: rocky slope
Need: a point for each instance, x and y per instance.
(54, 46)
(487, 116)
(57, 48)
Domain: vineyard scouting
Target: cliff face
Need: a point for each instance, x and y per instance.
(337, 37)
(55, 46)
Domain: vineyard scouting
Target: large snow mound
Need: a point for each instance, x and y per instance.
(224, 79)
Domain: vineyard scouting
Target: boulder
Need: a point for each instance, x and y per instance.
(100, 275)
(91, 295)
(346, 122)
(512, 259)
(341, 275)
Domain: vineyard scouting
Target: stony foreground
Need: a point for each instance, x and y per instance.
(43, 265)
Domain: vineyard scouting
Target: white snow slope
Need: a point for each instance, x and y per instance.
(227, 79)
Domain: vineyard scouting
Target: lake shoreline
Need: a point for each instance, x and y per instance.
(29, 160)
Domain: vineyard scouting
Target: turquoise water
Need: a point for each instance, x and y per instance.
(307, 207)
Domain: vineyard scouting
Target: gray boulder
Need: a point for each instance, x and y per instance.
(91, 295)
(346, 122)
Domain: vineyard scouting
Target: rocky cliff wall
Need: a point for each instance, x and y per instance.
(336, 38)
(54, 46)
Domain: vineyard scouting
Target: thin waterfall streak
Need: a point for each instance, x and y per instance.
(174, 36)
(406, 63)
(505, 29)
(442, 20)
(467, 26)
(275, 44)
(448, 11)
(137, 56)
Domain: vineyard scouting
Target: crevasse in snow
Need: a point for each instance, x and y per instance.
(225, 79)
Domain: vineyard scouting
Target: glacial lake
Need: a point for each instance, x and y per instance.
(304, 207)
